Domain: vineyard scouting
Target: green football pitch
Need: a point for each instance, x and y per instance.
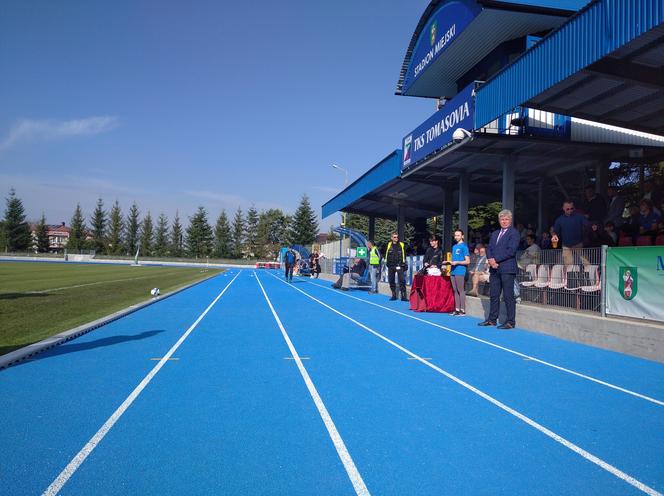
(38, 300)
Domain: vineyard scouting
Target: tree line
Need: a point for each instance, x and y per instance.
(252, 234)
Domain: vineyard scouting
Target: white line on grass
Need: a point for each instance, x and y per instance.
(88, 284)
(76, 462)
(568, 444)
(349, 465)
(514, 352)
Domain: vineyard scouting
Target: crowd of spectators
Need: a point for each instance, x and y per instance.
(598, 220)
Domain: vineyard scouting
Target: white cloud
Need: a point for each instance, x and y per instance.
(231, 202)
(327, 189)
(28, 130)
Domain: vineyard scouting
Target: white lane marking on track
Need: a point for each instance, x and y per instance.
(342, 451)
(514, 352)
(568, 444)
(76, 462)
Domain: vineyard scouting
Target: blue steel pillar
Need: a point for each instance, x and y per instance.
(508, 183)
(401, 223)
(372, 227)
(448, 212)
(464, 187)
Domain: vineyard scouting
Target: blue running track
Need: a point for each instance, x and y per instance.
(248, 385)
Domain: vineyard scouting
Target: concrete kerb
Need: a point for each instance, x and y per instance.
(33, 349)
(632, 337)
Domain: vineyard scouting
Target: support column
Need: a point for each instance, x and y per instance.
(601, 177)
(540, 206)
(508, 183)
(464, 188)
(372, 227)
(401, 222)
(448, 212)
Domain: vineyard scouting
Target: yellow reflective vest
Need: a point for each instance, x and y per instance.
(374, 256)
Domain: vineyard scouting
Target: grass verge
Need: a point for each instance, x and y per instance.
(38, 300)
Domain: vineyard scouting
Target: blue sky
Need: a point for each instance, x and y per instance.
(180, 104)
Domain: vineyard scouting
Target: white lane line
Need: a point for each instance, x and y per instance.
(76, 462)
(568, 444)
(50, 290)
(514, 352)
(349, 465)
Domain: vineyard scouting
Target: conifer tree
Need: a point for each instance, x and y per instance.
(77, 235)
(251, 233)
(199, 235)
(161, 236)
(98, 224)
(115, 228)
(238, 233)
(41, 235)
(177, 237)
(304, 225)
(17, 231)
(222, 237)
(147, 235)
(132, 226)
(272, 232)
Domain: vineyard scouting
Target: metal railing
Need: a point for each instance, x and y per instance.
(566, 278)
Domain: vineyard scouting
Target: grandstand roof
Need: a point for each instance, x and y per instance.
(605, 64)
(481, 25)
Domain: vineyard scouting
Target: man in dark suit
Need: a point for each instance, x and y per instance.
(501, 256)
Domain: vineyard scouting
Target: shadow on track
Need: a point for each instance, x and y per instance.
(73, 347)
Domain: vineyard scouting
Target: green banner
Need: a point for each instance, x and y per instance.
(635, 282)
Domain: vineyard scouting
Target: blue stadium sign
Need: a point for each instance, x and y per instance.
(436, 132)
(443, 27)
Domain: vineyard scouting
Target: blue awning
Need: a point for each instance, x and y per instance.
(604, 64)
(380, 174)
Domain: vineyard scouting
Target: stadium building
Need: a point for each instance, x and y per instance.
(535, 100)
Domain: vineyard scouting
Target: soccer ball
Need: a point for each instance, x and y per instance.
(154, 291)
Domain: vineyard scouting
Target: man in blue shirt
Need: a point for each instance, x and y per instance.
(570, 229)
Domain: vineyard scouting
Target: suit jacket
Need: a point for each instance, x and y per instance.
(504, 251)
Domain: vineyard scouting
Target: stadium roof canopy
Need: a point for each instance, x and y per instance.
(474, 28)
(605, 64)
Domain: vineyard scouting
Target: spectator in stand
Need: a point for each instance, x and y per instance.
(649, 219)
(616, 208)
(653, 194)
(610, 230)
(531, 255)
(569, 230)
(598, 236)
(479, 271)
(545, 242)
(633, 224)
(594, 206)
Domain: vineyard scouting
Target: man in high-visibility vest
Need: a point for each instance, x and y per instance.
(374, 265)
(395, 259)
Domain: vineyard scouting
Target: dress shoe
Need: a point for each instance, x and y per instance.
(394, 297)
(506, 326)
(403, 298)
(487, 323)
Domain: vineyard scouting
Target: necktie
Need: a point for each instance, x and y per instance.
(502, 231)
